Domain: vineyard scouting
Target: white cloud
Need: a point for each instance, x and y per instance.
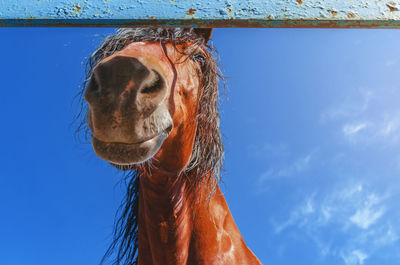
(352, 129)
(326, 212)
(351, 108)
(367, 118)
(347, 223)
(308, 207)
(386, 238)
(349, 192)
(366, 217)
(265, 176)
(368, 213)
(390, 62)
(384, 130)
(304, 209)
(389, 127)
(355, 257)
(289, 222)
(299, 165)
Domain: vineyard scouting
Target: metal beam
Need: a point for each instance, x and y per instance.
(203, 13)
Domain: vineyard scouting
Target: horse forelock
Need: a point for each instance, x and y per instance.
(204, 167)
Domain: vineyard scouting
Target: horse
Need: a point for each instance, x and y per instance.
(153, 110)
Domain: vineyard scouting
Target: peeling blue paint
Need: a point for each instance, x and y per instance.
(217, 13)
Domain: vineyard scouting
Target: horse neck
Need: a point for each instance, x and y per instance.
(174, 229)
(165, 219)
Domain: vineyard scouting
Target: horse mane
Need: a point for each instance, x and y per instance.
(204, 167)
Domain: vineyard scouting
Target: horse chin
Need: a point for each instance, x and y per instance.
(125, 155)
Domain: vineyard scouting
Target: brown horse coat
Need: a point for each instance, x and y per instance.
(153, 108)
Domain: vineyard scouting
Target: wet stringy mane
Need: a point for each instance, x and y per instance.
(205, 164)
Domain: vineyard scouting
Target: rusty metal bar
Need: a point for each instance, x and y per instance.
(203, 13)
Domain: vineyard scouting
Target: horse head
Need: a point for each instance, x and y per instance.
(147, 96)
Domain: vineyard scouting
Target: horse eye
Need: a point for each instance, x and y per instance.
(199, 58)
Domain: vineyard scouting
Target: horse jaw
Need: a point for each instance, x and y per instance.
(122, 154)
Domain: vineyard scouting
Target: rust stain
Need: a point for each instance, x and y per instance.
(351, 21)
(299, 23)
(392, 6)
(334, 13)
(229, 10)
(76, 9)
(191, 11)
(151, 17)
(351, 15)
(300, 2)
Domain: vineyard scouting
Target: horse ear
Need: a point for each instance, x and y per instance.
(205, 33)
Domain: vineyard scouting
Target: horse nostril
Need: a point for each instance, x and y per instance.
(169, 129)
(92, 89)
(155, 85)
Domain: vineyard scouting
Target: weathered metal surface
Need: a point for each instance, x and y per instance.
(202, 13)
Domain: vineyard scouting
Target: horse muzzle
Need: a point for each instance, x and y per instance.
(127, 113)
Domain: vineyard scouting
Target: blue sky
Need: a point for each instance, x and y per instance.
(311, 128)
